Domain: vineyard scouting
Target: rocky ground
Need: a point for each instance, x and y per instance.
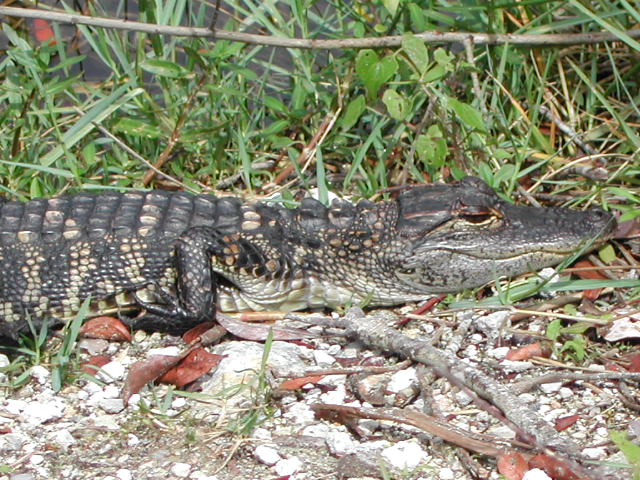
(261, 431)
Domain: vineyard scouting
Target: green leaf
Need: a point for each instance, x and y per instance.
(626, 446)
(373, 71)
(418, 19)
(396, 104)
(417, 52)
(100, 110)
(352, 113)
(275, 104)
(554, 329)
(163, 68)
(137, 128)
(431, 147)
(607, 254)
(391, 5)
(434, 74)
(469, 115)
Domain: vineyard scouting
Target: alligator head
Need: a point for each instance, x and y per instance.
(464, 235)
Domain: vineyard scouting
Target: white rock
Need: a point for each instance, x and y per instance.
(171, 351)
(111, 391)
(132, 440)
(407, 454)
(549, 388)
(527, 398)
(300, 414)
(498, 353)
(178, 402)
(64, 438)
(106, 421)
(36, 459)
(12, 442)
(124, 474)
(340, 443)
(15, 407)
(336, 396)
(4, 360)
(536, 474)
(402, 380)
(288, 466)
(267, 455)
(181, 469)
(322, 358)
(198, 475)
(446, 474)
(40, 374)
(37, 413)
(111, 405)
(515, 366)
(595, 453)
(111, 372)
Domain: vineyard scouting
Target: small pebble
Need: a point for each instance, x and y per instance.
(288, 466)
(403, 455)
(181, 470)
(267, 455)
(124, 474)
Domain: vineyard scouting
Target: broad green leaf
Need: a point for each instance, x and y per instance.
(554, 329)
(417, 52)
(163, 68)
(352, 113)
(431, 147)
(396, 104)
(607, 254)
(418, 19)
(434, 74)
(467, 114)
(373, 71)
(391, 5)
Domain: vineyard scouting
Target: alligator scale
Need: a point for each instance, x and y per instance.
(174, 256)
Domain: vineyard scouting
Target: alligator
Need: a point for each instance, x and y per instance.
(174, 256)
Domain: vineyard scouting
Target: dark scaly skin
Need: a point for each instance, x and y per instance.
(172, 254)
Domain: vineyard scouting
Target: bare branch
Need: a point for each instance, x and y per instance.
(529, 40)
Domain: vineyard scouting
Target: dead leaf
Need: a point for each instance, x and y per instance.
(259, 332)
(563, 423)
(192, 335)
(525, 353)
(556, 469)
(297, 383)
(628, 229)
(623, 328)
(106, 328)
(634, 363)
(145, 372)
(94, 364)
(192, 367)
(512, 465)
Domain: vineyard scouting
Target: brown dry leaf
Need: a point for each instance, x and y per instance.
(628, 229)
(556, 469)
(297, 383)
(94, 364)
(634, 363)
(145, 372)
(259, 332)
(525, 353)
(512, 465)
(106, 328)
(192, 367)
(563, 423)
(593, 293)
(192, 335)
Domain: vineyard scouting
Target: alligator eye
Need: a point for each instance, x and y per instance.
(408, 271)
(477, 219)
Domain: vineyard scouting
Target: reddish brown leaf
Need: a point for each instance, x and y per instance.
(634, 363)
(628, 229)
(145, 372)
(556, 469)
(259, 332)
(192, 367)
(563, 423)
(536, 349)
(43, 31)
(589, 274)
(512, 465)
(106, 328)
(297, 383)
(192, 335)
(92, 365)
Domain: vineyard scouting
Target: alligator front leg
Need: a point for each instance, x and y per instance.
(196, 285)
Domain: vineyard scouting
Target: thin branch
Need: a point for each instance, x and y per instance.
(529, 40)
